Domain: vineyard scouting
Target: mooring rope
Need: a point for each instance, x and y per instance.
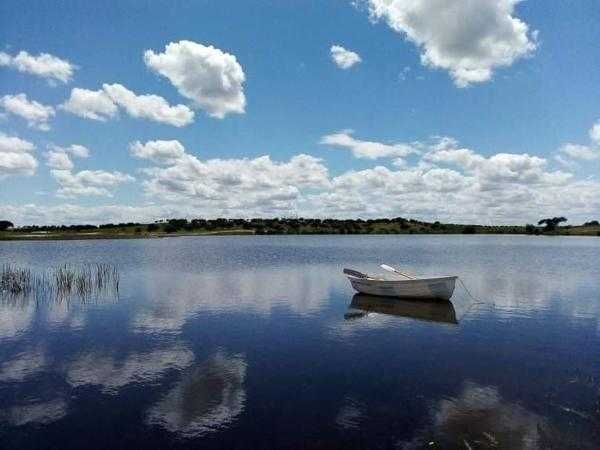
(469, 292)
(475, 301)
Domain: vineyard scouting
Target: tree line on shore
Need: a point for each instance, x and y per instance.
(398, 225)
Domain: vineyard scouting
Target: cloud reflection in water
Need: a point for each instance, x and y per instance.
(15, 319)
(44, 412)
(480, 418)
(208, 397)
(171, 298)
(23, 365)
(350, 415)
(111, 375)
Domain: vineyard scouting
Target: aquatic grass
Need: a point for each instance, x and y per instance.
(60, 283)
(86, 280)
(64, 277)
(15, 280)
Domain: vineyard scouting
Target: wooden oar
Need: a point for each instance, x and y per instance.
(395, 271)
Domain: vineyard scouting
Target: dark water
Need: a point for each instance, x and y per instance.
(257, 342)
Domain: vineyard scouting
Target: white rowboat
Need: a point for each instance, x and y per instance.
(440, 288)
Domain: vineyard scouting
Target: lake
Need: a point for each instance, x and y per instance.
(259, 342)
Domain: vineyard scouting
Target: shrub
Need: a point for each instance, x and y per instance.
(171, 228)
(469, 229)
(552, 223)
(177, 223)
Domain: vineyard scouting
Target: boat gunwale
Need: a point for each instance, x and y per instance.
(425, 280)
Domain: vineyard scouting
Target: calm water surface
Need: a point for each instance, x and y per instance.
(259, 342)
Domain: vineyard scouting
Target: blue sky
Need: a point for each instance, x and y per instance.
(540, 96)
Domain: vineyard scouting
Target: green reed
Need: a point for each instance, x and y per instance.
(62, 282)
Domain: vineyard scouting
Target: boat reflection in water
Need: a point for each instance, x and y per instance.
(432, 311)
(208, 397)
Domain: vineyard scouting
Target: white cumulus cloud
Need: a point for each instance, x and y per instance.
(595, 133)
(343, 58)
(104, 104)
(163, 152)
(88, 182)
(447, 182)
(577, 151)
(85, 182)
(453, 183)
(210, 77)
(77, 150)
(499, 170)
(588, 152)
(95, 105)
(36, 114)
(151, 107)
(227, 184)
(15, 156)
(60, 157)
(367, 149)
(468, 38)
(43, 65)
(71, 213)
(58, 160)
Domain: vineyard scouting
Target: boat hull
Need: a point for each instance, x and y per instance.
(440, 288)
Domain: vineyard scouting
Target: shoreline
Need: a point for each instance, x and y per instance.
(6, 237)
(281, 227)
